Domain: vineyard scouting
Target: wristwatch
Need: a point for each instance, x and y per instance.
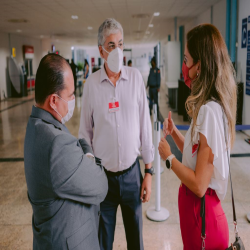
(169, 161)
(150, 171)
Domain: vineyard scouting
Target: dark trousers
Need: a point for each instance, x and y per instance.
(153, 95)
(124, 190)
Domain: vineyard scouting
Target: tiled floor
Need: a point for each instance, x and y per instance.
(16, 212)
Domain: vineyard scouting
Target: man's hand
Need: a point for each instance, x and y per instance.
(164, 149)
(146, 188)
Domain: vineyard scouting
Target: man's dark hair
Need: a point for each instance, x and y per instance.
(153, 60)
(129, 62)
(49, 77)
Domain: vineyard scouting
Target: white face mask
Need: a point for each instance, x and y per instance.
(115, 59)
(71, 107)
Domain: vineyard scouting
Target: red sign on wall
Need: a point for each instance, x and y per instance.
(28, 52)
(92, 62)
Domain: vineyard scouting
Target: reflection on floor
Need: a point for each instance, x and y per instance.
(16, 212)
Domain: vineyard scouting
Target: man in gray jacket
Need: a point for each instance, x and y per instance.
(66, 183)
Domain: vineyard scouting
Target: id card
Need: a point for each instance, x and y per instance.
(113, 107)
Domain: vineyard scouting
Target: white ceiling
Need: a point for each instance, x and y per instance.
(52, 18)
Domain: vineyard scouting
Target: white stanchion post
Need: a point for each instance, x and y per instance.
(155, 113)
(155, 120)
(157, 213)
(157, 169)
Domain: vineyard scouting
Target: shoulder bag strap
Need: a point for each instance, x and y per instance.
(202, 212)
(234, 213)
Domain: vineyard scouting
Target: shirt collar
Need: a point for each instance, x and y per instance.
(47, 117)
(104, 76)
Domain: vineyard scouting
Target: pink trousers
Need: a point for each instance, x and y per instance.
(217, 233)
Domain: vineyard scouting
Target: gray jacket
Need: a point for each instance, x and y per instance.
(65, 187)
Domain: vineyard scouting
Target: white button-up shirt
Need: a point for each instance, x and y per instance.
(118, 138)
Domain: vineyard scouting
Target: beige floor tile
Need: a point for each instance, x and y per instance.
(8, 196)
(16, 237)
(15, 215)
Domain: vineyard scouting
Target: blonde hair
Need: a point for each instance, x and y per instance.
(216, 80)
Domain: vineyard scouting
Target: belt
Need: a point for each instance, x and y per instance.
(110, 173)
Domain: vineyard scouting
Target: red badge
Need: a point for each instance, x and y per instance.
(113, 106)
(195, 149)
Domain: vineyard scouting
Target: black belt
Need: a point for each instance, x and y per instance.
(110, 173)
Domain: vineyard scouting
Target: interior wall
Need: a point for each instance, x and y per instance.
(244, 12)
(219, 16)
(9, 41)
(204, 17)
(4, 53)
(142, 50)
(189, 25)
(18, 41)
(64, 48)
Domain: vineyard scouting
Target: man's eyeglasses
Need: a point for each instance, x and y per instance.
(111, 47)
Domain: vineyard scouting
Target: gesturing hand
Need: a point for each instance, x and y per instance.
(168, 125)
(164, 149)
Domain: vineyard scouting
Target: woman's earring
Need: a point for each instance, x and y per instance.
(197, 74)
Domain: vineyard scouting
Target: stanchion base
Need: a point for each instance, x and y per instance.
(248, 217)
(162, 215)
(162, 170)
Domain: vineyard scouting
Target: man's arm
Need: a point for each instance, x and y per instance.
(86, 119)
(158, 79)
(147, 147)
(74, 176)
(85, 146)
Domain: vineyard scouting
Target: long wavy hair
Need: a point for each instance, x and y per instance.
(216, 80)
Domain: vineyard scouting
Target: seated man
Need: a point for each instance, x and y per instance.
(65, 185)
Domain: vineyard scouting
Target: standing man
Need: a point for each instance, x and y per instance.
(154, 83)
(65, 185)
(115, 122)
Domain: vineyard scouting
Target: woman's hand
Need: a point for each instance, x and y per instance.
(164, 149)
(168, 125)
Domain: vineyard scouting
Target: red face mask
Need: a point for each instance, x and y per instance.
(185, 72)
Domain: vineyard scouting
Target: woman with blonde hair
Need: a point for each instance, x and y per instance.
(203, 173)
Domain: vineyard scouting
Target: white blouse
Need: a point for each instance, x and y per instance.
(210, 124)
